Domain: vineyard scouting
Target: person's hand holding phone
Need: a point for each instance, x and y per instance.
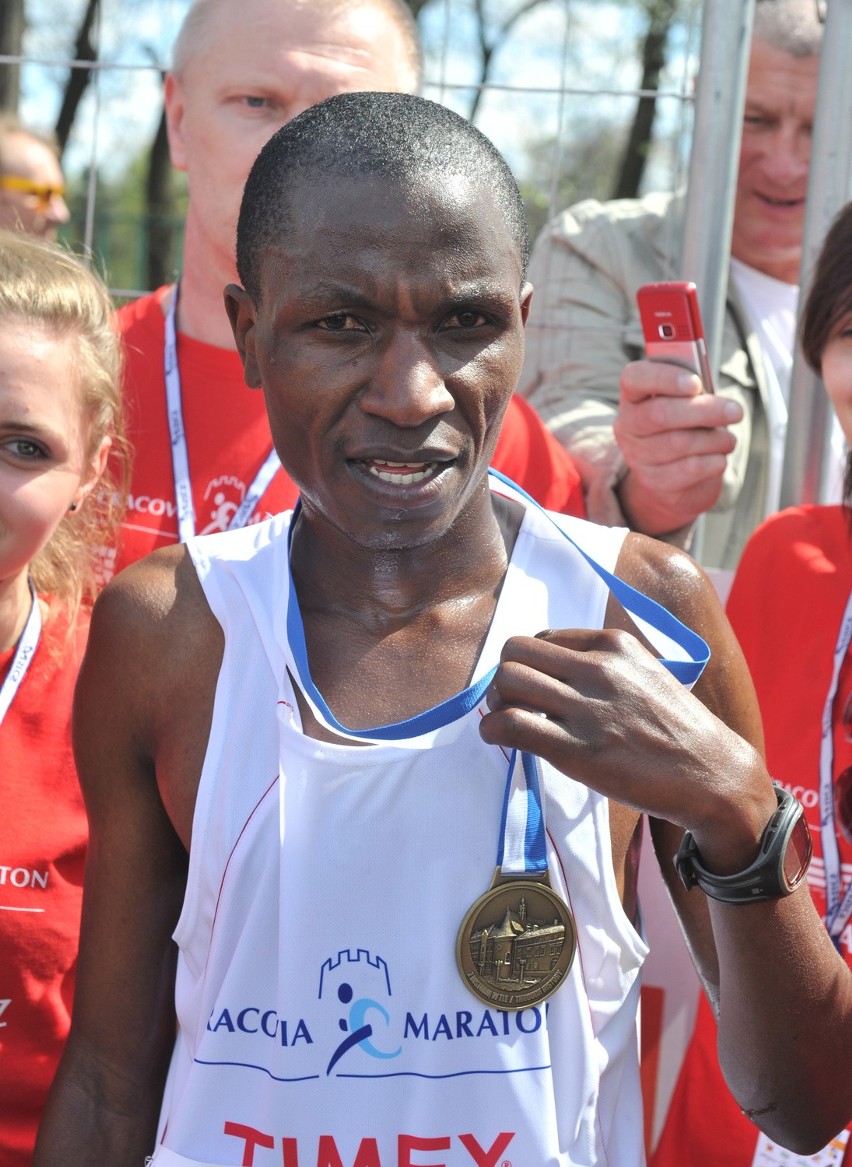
(672, 430)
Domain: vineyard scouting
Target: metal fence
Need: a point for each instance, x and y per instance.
(560, 95)
(558, 100)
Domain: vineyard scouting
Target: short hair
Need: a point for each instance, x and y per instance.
(793, 26)
(194, 31)
(10, 125)
(44, 285)
(396, 136)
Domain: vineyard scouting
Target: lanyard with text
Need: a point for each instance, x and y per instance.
(180, 457)
(837, 910)
(25, 653)
(687, 653)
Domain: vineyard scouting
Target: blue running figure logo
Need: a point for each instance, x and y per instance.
(363, 1012)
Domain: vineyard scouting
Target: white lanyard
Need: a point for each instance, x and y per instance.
(21, 661)
(837, 910)
(180, 456)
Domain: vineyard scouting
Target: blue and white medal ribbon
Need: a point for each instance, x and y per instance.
(522, 849)
(184, 507)
(516, 943)
(685, 653)
(24, 654)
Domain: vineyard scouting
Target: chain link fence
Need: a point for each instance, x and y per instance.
(556, 84)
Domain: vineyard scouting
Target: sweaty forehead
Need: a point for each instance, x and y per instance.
(451, 213)
(329, 194)
(369, 237)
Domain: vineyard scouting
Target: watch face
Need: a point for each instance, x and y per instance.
(798, 852)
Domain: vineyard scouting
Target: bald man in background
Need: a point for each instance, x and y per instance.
(204, 457)
(32, 189)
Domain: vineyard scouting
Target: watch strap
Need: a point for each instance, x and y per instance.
(769, 876)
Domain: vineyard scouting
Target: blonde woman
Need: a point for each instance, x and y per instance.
(60, 419)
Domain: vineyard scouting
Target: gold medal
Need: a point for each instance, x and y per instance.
(517, 942)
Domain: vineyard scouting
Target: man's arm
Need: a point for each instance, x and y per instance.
(583, 329)
(143, 685)
(616, 720)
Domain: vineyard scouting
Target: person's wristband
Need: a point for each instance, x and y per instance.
(781, 864)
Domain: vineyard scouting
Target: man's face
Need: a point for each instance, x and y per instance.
(32, 202)
(776, 152)
(388, 339)
(259, 63)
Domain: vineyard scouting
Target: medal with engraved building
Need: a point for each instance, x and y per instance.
(517, 942)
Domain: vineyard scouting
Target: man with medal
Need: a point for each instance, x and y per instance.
(366, 780)
(204, 460)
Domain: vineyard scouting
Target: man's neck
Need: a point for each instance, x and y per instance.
(201, 310)
(391, 634)
(470, 559)
(785, 269)
(769, 278)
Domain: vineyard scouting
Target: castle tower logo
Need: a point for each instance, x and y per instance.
(360, 983)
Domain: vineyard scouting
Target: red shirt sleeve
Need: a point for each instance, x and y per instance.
(530, 455)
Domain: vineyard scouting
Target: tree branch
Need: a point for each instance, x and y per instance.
(78, 79)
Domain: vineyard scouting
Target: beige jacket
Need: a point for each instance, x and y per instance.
(584, 327)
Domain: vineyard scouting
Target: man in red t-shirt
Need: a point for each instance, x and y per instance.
(240, 72)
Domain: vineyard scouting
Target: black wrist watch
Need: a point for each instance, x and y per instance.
(780, 866)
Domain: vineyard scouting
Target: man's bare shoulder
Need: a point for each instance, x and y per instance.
(157, 597)
(144, 699)
(153, 631)
(672, 578)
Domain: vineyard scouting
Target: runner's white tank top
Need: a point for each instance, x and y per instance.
(326, 886)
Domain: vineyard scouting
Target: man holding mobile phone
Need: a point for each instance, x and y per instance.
(654, 450)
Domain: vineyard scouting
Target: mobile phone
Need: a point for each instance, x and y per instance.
(672, 326)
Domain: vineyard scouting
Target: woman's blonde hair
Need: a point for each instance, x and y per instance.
(47, 286)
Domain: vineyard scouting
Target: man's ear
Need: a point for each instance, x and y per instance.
(175, 110)
(526, 301)
(240, 309)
